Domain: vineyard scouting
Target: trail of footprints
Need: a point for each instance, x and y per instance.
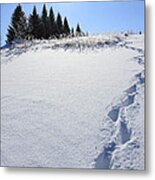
(117, 116)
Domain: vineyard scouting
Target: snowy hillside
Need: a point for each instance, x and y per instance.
(76, 103)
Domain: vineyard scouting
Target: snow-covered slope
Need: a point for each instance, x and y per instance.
(75, 103)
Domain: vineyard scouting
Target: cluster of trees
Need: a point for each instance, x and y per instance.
(37, 26)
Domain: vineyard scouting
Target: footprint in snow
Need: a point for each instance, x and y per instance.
(125, 132)
(114, 113)
(129, 100)
(104, 159)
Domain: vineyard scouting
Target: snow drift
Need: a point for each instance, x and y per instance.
(75, 103)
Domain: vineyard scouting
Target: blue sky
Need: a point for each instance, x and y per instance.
(94, 17)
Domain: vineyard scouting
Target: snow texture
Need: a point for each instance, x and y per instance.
(74, 103)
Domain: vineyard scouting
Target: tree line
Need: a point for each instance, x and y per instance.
(44, 26)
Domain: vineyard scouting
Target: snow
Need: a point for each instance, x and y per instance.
(75, 103)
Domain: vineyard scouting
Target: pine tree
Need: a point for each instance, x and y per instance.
(19, 23)
(66, 27)
(33, 25)
(45, 23)
(72, 32)
(60, 28)
(41, 29)
(52, 23)
(10, 35)
(78, 30)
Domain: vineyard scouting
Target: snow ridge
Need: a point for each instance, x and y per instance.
(80, 44)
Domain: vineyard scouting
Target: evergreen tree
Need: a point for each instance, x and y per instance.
(72, 32)
(18, 27)
(52, 23)
(78, 30)
(66, 27)
(33, 25)
(45, 23)
(41, 29)
(60, 29)
(19, 23)
(10, 35)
